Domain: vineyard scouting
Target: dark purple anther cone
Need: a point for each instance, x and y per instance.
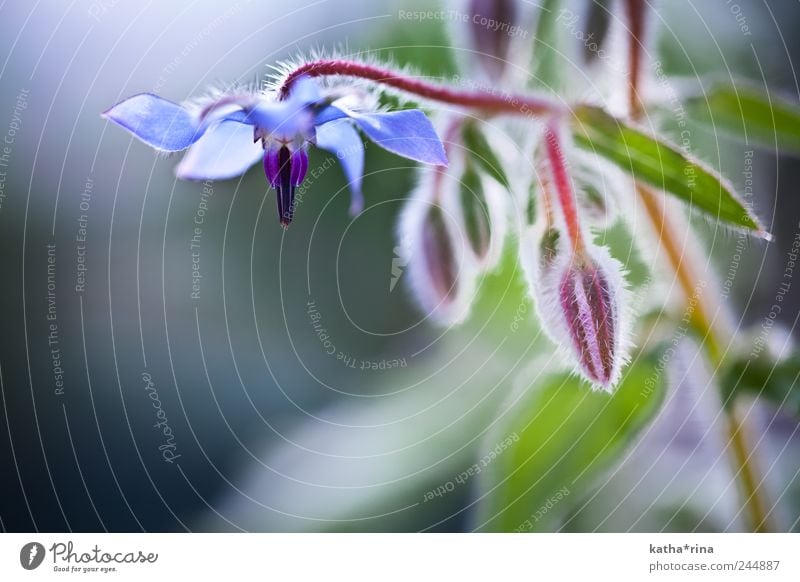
(285, 171)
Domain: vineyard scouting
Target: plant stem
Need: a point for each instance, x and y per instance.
(704, 325)
(488, 101)
(712, 343)
(566, 196)
(492, 102)
(680, 262)
(754, 498)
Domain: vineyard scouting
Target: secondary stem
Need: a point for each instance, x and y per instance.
(712, 341)
(489, 101)
(566, 195)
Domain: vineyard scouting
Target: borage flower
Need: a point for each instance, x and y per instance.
(234, 131)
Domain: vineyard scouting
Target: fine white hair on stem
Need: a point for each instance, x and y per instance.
(333, 84)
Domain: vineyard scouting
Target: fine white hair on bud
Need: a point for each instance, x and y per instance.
(580, 299)
(591, 296)
(441, 275)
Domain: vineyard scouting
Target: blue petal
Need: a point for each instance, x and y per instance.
(406, 133)
(290, 117)
(304, 92)
(239, 115)
(282, 119)
(225, 151)
(328, 113)
(159, 123)
(340, 138)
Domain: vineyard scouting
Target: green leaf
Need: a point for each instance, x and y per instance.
(552, 443)
(762, 376)
(479, 150)
(750, 115)
(662, 165)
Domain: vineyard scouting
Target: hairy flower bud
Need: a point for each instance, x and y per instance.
(590, 311)
(492, 24)
(481, 208)
(548, 248)
(580, 301)
(441, 278)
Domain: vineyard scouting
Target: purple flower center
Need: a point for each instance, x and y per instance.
(285, 170)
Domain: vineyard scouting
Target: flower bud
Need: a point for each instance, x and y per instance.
(580, 301)
(541, 241)
(548, 248)
(483, 216)
(590, 311)
(492, 23)
(441, 279)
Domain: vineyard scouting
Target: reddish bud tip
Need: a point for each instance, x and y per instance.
(590, 311)
(580, 300)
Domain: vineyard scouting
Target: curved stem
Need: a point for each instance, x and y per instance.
(704, 325)
(711, 341)
(488, 101)
(563, 186)
(680, 262)
(754, 498)
(492, 102)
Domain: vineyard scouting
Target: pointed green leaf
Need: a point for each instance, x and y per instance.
(479, 150)
(750, 115)
(555, 440)
(662, 165)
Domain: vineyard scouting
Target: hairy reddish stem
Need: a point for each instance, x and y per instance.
(489, 101)
(563, 185)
